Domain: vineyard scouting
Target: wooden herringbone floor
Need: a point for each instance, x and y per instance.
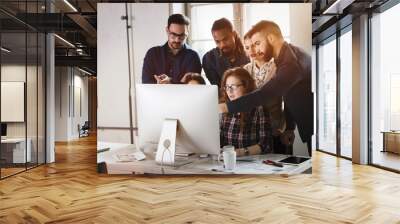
(71, 191)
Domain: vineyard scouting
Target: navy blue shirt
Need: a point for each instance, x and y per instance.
(215, 64)
(160, 60)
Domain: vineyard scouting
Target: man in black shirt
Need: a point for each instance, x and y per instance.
(229, 52)
(170, 62)
(292, 80)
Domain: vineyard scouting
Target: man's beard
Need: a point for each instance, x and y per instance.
(176, 45)
(226, 53)
(268, 52)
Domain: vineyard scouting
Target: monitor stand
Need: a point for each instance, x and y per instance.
(166, 149)
(167, 145)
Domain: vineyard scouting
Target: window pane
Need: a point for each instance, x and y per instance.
(279, 13)
(31, 100)
(346, 94)
(202, 47)
(178, 8)
(327, 97)
(13, 86)
(204, 15)
(385, 86)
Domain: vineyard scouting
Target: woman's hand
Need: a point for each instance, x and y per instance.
(253, 150)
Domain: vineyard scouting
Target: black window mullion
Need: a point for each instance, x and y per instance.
(26, 87)
(37, 89)
(317, 96)
(369, 90)
(338, 92)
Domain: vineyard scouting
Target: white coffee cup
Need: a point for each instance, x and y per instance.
(229, 155)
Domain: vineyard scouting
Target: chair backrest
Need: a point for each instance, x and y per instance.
(86, 125)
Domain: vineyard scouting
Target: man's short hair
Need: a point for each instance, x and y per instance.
(221, 24)
(178, 19)
(265, 26)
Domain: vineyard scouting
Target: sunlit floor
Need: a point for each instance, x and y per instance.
(387, 159)
(71, 191)
(8, 171)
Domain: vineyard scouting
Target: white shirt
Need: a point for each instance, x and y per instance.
(263, 74)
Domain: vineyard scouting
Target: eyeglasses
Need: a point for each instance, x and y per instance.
(232, 87)
(173, 35)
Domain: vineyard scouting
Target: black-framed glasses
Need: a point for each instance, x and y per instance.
(232, 87)
(181, 36)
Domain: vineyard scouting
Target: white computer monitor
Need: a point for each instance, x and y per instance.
(195, 107)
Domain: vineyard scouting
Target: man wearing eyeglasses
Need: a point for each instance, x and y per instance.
(167, 64)
(229, 52)
(292, 80)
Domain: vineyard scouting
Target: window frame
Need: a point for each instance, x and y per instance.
(334, 37)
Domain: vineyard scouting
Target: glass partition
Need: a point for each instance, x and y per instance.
(346, 94)
(327, 96)
(22, 88)
(385, 89)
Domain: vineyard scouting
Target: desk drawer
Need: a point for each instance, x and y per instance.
(392, 142)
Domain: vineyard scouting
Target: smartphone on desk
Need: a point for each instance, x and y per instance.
(294, 160)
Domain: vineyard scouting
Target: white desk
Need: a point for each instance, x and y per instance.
(18, 151)
(197, 165)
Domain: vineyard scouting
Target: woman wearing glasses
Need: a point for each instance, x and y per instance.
(250, 132)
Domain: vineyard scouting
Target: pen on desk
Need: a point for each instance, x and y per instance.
(271, 162)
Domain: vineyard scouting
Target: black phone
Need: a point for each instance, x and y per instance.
(294, 160)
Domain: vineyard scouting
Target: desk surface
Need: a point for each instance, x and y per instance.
(390, 132)
(196, 165)
(13, 140)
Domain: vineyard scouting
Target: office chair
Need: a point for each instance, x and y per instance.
(84, 130)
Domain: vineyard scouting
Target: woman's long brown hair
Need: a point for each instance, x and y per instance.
(246, 80)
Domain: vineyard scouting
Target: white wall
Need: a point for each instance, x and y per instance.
(13, 101)
(70, 84)
(301, 36)
(300, 26)
(148, 30)
(33, 127)
(62, 80)
(81, 103)
(15, 72)
(50, 94)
